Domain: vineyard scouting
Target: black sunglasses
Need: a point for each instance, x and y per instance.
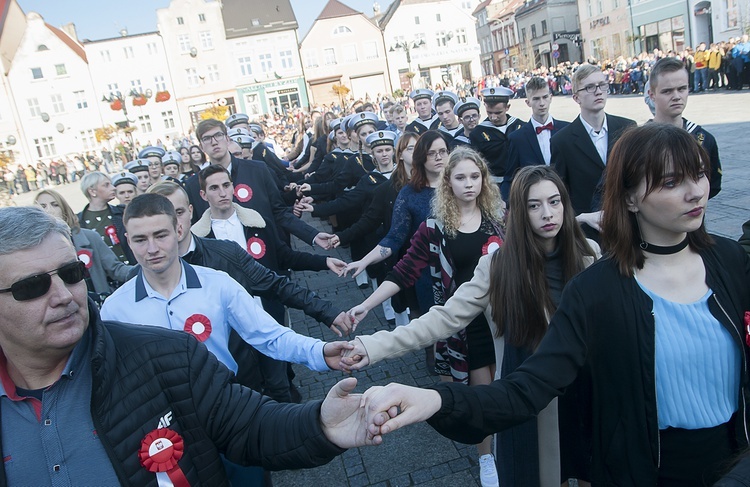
(36, 286)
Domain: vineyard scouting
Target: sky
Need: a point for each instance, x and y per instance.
(102, 19)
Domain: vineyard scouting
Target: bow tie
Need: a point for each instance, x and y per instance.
(542, 128)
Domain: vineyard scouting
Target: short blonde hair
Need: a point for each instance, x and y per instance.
(583, 72)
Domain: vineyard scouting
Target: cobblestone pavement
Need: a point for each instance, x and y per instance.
(417, 455)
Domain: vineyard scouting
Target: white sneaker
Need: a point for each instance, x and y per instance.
(488, 471)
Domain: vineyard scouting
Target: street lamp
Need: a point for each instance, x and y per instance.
(404, 46)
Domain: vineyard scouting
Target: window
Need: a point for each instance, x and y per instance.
(533, 31)
(201, 17)
(135, 84)
(437, 17)
(599, 6)
(266, 65)
(191, 75)
(311, 59)
(440, 38)
(106, 57)
(416, 20)
(461, 35)
(145, 121)
(57, 103)
(466, 5)
(60, 69)
(80, 97)
(732, 9)
(207, 41)
(616, 3)
(329, 56)
(523, 35)
(286, 59)
(88, 139)
(180, 21)
(213, 72)
(350, 53)
(419, 38)
(128, 50)
(246, 65)
(255, 22)
(370, 49)
(152, 48)
(42, 47)
(168, 119)
(589, 8)
(36, 73)
(113, 89)
(161, 85)
(184, 41)
(341, 30)
(544, 27)
(34, 107)
(45, 147)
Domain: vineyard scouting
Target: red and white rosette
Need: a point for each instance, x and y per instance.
(256, 247)
(493, 243)
(112, 234)
(160, 451)
(243, 193)
(199, 326)
(85, 256)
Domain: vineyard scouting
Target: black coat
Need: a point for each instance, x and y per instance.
(604, 323)
(492, 143)
(142, 373)
(117, 212)
(264, 198)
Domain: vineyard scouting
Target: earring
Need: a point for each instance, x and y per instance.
(643, 245)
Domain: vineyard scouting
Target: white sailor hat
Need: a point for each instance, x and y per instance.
(231, 133)
(443, 96)
(363, 118)
(125, 177)
(500, 94)
(420, 93)
(245, 141)
(235, 119)
(383, 137)
(151, 151)
(470, 103)
(256, 127)
(334, 124)
(137, 165)
(171, 157)
(346, 122)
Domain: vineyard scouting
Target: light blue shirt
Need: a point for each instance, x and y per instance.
(207, 303)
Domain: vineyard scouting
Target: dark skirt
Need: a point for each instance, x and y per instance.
(694, 458)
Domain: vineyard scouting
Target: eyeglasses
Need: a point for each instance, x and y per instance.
(433, 154)
(470, 117)
(37, 286)
(592, 88)
(206, 139)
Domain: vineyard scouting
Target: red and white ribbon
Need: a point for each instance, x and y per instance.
(199, 326)
(112, 234)
(243, 193)
(85, 256)
(256, 247)
(493, 243)
(160, 451)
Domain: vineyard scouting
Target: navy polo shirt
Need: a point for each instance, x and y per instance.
(53, 441)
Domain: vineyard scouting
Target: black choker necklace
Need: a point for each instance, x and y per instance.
(658, 249)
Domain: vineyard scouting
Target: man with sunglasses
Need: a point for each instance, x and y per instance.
(254, 187)
(579, 151)
(84, 402)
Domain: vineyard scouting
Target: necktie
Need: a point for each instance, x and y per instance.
(542, 128)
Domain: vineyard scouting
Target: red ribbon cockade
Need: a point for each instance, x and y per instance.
(199, 326)
(243, 193)
(747, 328)
(160, 451)
(112, 234)
(85, 256)
(256, 247)
(493, 243)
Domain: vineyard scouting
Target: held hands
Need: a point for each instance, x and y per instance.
(396, 405)
(357, 314)
(332, 352)
(355, 358)
(345, 422)
(336, 266)
(335, 241)
(323, 240)
(342, 325)
(356, 267)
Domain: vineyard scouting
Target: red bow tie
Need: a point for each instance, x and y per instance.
(542, 128)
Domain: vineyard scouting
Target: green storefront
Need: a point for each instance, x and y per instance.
(270, 97)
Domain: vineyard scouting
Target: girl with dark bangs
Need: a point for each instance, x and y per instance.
(659, 324)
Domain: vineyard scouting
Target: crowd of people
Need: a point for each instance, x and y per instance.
(584, 316)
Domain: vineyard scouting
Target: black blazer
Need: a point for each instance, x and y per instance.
(575, 158)
(524, 150)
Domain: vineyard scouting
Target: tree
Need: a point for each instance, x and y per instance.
(105, 133)
(341, 91)
(217, 112)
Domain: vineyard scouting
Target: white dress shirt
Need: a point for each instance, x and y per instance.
(600, 139)
(543, 138)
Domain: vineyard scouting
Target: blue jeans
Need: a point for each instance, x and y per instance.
(700, 80)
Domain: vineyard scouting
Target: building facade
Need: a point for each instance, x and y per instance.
(344, 48)
(661, 25)
(487, 45)
(430, 43)
(606, 29)
(719, 20)
(540, 24)
(505, 37)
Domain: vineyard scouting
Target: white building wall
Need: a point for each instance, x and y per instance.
(62, 94)
(137, 63)
(450, 40)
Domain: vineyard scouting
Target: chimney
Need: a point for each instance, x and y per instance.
(70, 29)
(376, 8)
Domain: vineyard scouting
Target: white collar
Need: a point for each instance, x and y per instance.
(536, 124)
(233, 220)
(591, 131)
